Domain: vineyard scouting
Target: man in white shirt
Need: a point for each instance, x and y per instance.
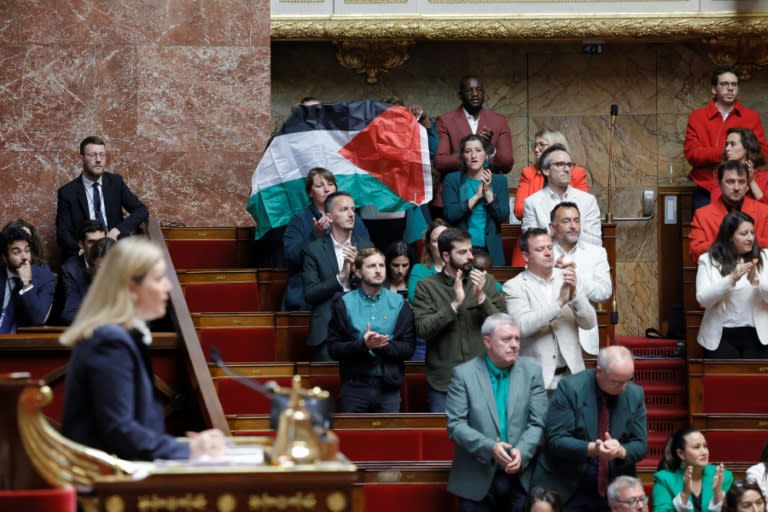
(556, 165)
(592, 269)
(549, 307)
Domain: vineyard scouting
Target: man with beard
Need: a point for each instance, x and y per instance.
(450, 307)
(371, 333)
(328, 263)
(733, 179)
(96, 195)
(75, 276)
(593, 273)
(26, 289)
(549, 307)
(496, 409)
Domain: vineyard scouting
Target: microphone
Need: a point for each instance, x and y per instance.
(614, 113)
(267, 389)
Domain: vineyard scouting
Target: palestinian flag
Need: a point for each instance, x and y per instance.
(377, 151)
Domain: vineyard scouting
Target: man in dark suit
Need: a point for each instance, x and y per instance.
(470, 118)
(596, 431)
(75, 276)
(496, 407)
(329, 268)
(26, 289)
(97, 195)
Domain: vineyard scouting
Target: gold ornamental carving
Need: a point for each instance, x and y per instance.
(372, 58)
(226, 503)
(114, 503)
(523, 27)
(188, 502)
(336, 501)
(747, 54)
(267, 501)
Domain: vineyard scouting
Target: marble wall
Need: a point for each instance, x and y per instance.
(655, 85)
(180, 90)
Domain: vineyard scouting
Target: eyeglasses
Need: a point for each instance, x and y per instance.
(732, 85)
(92, 156)
(540, 145)
(563, 165)
(633, 502)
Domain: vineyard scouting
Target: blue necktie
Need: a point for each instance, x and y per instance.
(9, 317)
(97, 205)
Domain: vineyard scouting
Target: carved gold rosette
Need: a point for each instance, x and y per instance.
(372, 58)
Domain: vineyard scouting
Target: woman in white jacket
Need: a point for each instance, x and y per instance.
(732, 286)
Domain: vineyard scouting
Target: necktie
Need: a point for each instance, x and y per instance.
(9, 315)
(603, 426)
(97, 205)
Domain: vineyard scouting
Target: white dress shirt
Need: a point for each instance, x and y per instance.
(537, 207)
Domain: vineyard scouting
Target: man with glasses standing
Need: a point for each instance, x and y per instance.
(627, 493)
(95, 195)
(556, 165)
(596, 430)
(708, 127)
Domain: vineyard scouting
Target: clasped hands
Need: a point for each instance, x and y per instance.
(717, 484)
(745, 267)
(568, 288)
(373, 339)
(508, 457)
(477, 277)
(349, 253)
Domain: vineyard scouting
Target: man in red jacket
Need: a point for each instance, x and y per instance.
(706, 220)
(707, 129)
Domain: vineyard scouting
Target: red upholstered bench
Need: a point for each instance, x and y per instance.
(435, 444)
(240, 344)
(39, 500)
(735, 445)
(660, 371)
(414, 393)
(395, 444)
(421, 497)
(236, 398)
(739, 394)
(205, 253)
(221, 297)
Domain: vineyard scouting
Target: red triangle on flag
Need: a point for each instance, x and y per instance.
(389, 149)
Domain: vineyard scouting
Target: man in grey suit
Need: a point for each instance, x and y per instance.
(496, 407)
(596, 431)
(550, 309)
(329, 268)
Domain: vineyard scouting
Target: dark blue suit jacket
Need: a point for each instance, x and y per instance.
(74, 280)
(299, 233)
(109, 401)
(32, 308)
(321, 285)
(72, 210)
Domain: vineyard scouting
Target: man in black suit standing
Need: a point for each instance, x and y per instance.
(329, 268)
(96, 195)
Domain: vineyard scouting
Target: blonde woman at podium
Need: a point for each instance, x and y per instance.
(109, 401)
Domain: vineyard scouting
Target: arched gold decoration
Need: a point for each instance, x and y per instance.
(747, 54)
(336, 502)
(372, 58)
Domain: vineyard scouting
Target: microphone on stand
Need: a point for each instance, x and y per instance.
(609, 214)
(268, 389)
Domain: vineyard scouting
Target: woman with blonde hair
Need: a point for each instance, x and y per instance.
(109, 399)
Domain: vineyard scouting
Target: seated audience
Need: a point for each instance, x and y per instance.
(732, 286)
(398, 268)
(542, 500)
(685, 479)
(304, 228)
(742, 145)
(496, 407)
(744, 496)
(531, 178)
(109, 400)
(627, 493)
(706, 221)
(596, 431)
(26, 289)
(35, 244)
(556, 164)
(550, 306)
(77, 285)
(450, 307)
(476, 199)
(75, 276)
(328, 268)
(431, 262)
(97, 195)
(759, 472)
(371, 333)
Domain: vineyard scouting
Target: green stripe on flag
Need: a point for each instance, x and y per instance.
(274, 206)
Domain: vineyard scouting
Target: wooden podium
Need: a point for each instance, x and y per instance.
(264, 488)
